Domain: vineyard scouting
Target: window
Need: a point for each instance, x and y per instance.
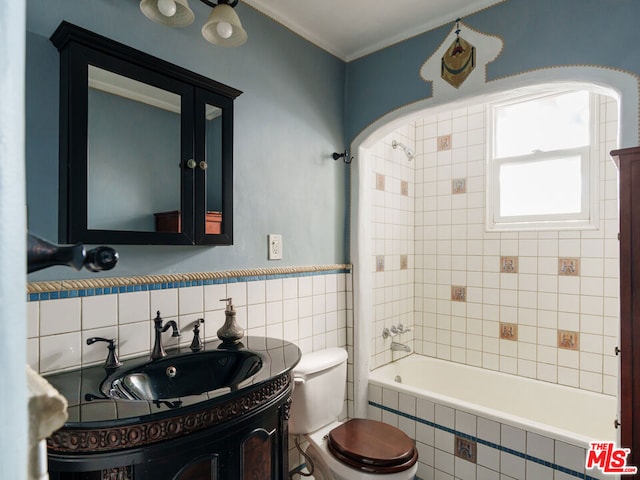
(541, 172)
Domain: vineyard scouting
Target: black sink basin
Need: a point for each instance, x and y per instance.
(183, 375)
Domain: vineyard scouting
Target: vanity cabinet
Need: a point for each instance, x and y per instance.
(146, 147)
(238, 430)
(253, 448)
(628, 163)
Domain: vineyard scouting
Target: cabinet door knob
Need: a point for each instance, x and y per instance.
(203, 165)
(191, 163)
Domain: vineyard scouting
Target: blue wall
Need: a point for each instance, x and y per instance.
(536, 34)
(288, 122)
(299, 105)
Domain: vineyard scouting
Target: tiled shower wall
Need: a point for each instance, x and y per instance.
(393, 243)
(556, 328)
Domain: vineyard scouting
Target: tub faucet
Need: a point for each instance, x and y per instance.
(158, 348)
(400, 347)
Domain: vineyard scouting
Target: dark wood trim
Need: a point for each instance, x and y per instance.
(628, 162)
(113, 438)
(67, 32)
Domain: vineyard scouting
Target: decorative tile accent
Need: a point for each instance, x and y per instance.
(404, 262)
(466, 449)
(404, 188)
(568, 340)
(380, 263)
(458, 294)
(89, 287)
(569, 266)
(509, 264)
(509, 331)
(458, 185)
(379, 181)
(444, 142)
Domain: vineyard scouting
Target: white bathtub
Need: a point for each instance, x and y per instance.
(573, 415)
(530, 429)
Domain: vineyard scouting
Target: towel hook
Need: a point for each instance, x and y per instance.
(346, 158)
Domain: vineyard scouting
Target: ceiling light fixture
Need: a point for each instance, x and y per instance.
(222, 28)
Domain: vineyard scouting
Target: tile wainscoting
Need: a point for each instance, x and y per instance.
(310, 306)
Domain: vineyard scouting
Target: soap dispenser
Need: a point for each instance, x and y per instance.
(230, 333)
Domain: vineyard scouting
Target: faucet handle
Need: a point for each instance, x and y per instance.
(112, 358)
(196, 343)
(386, 333)
(403, 329)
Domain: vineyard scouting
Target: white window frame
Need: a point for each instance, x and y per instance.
(586, 219)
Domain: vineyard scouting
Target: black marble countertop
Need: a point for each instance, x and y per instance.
(90, 407)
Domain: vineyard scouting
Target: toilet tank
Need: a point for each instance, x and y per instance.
(319, 387)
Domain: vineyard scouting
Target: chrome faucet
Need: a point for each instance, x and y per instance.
(158, 348)
(400, 347)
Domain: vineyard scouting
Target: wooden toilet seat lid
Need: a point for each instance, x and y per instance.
(372, 446)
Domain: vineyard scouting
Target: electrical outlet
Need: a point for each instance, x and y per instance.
(275, 246)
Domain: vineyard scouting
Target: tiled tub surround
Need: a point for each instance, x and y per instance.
(472, 423)
(508, 278)
(392, 244)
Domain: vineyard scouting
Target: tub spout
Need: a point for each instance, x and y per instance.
(400, 347)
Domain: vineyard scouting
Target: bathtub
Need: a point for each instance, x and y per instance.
(515, 425)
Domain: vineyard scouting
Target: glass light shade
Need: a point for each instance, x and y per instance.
(223, 13)
(167, 7)
(184, 15)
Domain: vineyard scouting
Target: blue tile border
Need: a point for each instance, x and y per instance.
(517, 453)
(57, 290)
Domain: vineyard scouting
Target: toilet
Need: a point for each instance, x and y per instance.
(357, 449)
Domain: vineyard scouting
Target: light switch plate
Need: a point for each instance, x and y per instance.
(275, 246)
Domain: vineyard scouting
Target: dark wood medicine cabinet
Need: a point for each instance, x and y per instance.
(146, 147)
(628, 162)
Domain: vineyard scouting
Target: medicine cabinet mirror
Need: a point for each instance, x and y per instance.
(146, 147)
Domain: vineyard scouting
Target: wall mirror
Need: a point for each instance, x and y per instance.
(146, 147)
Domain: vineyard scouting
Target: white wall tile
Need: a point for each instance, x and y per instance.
(540, 447)
(134, 338)
(274, 290)
(33, 353)
(190, 300)
(465, 422)
(60, 316)
(134, 307)
(59, 352)
(99, 311)
(512, 465)
(165, 301)
(444, 462)
(570, 456)
(289, 288)
(33, 319)
(237, 291)
(539, 472)
(212, 294)
(256, 292)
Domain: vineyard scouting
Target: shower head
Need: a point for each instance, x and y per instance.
(407, 151)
